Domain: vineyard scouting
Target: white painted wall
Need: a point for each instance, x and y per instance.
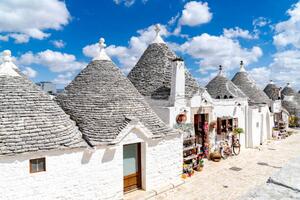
(260, 125)
(230, 107)
(177, 93)
(73, 174)
(84, 174)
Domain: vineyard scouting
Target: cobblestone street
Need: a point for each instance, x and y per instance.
(232, 178)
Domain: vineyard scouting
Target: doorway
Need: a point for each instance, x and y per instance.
(199, 124)
(132, 167)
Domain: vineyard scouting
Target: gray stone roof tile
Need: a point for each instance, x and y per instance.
(272, 91)
(249, 87)
(30, 121)
(103, 101)
(220, 88)
(152, 74)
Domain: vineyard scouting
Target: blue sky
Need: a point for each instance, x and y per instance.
(59, 39)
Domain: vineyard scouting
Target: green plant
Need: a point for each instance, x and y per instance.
(186, 127)
(238, 131)
(293, 121)
(201, 163)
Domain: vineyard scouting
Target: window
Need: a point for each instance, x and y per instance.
(37, 165)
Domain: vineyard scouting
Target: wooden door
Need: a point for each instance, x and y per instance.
(132, 167)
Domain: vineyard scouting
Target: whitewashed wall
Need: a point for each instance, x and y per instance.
(69, 175)
(254, 127)
(230, 107)
(260, 125)
(84, 174)
(161, 158)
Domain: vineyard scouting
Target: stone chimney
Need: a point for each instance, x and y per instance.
(177, 96)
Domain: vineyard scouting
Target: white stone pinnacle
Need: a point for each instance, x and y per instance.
(102, 54)
(158, 38)
(8, 68)
(242, 68)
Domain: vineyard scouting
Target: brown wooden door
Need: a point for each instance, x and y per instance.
(132, 167)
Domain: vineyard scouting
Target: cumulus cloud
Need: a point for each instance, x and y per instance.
(285, 67)
(55, 61)
(63, 79)
(22, 20)
(260, 22)
(127, 56)
(19, 38)
(238, 33)
(195, 13)
(58, 43)
(210, 51)
(288, 32)
(261, 75)
(31, 73)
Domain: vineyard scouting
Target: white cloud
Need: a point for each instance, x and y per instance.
(261, 22)
(238, 33)
(54, 60)
(194, 14)
(4, 38)
(22, 20)
(31, 73)
(127, 56)
(63, 79)
(285, 67)
(128, 3)
(261, 75)
(173, 19)
(19, 38)
(211, 51)
(58, 43)
(288, 32)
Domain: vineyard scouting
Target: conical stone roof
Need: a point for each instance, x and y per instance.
(103, 101)
(290, 100)
(29, 120)
(243, 80)
(222, 88)
(272, 91)
(288, 90)
(153, 72)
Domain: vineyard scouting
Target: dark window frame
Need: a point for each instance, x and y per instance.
(37, 162)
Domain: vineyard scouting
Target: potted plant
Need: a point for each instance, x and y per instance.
(200, 165)
(238, 131)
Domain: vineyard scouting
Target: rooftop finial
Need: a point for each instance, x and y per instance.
(242, 68)
(102, 44)
(220, 70)
(102, 54)
(158, 38)
(7, 56)
(157, 29)
(8, 68)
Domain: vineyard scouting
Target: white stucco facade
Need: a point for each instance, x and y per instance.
(235, 108)
(92, 173)
(259, 125)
